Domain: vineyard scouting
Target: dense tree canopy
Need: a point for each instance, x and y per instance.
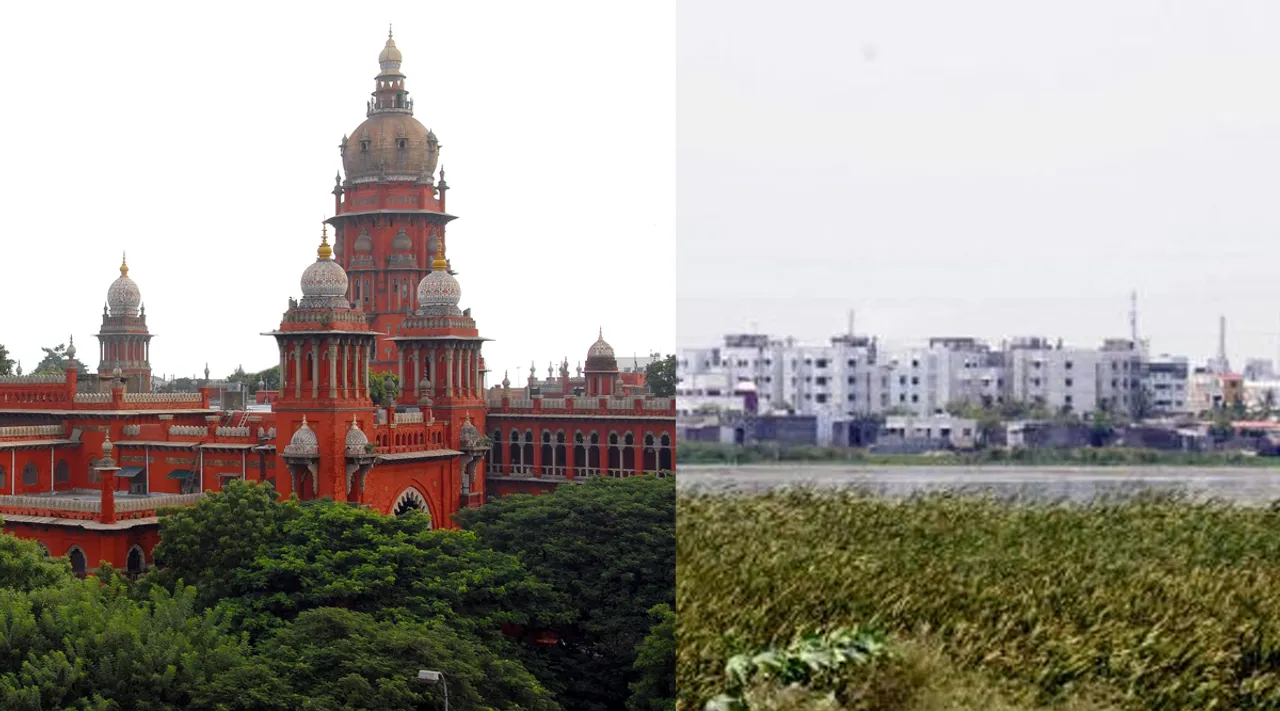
(264, 562)
(265, 605)
(656, 663)
(6, 362)
(608, 545)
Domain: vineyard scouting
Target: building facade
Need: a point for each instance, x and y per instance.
(88, 461)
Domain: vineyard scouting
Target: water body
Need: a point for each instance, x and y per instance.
(1250, 486)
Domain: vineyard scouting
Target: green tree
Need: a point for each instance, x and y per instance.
(270, 378)
(383, 387)
(80, 644)
(608, 545)
(656, 664)
(339, 659)
(6, 363)
(54, 361)
(264, 562)
(660, 375)
(25, 566)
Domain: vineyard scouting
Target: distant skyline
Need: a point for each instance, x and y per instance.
(203, 139)
(986, 169)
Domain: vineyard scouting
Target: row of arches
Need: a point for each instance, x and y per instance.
(31, 474)
(135, 561)
(519, 452)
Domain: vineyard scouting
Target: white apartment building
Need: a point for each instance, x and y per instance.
(1061, 379)
(852, 376)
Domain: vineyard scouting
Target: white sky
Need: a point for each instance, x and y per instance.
(980, 168)
(204, 139)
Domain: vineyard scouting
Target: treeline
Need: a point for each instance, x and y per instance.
(561, 601)
(762, 453)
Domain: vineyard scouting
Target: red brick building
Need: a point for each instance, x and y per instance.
(87, 461)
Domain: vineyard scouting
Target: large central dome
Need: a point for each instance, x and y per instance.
(391, 143)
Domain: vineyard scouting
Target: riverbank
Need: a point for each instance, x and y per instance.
(1153, 603)
(711, 453)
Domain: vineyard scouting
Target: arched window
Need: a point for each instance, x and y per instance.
(527, 453)
(62, 472)
(548, 455)
(4, 481)
(664, 453)
(135, 562)
(30, 475)
(79, 564)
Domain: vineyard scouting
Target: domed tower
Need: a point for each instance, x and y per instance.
(602, 368)
(325, 349)
(438, 360)
(124, 341)
(389, 209)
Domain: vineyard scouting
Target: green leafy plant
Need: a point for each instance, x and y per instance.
(811, 660)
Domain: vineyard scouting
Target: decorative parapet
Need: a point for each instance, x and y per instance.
(89, 508)
(188, 431)
(87, 398)
(28, 431)
(32, 379)
(131, 430)
(585, 406)
(160, 397)
(408, 418)
(232, 432)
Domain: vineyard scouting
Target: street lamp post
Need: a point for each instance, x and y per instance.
(432, 677)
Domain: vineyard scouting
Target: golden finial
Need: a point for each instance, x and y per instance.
(439, 264)
(124, 265)
(325, 251)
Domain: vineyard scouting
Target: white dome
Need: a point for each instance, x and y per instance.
(356, 439)
(304, 441)
(600, 349)
(439, 294)
(123, 296)
(324, 283)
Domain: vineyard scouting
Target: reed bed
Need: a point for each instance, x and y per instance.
(1151, 602)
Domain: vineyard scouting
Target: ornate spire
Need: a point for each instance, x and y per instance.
(325, 251)
(439, 264)
(124, 265)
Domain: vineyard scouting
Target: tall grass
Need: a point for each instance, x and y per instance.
(1157, 601)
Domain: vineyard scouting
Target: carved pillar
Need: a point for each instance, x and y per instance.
(448, 371)
(433, 354)
(346, 368)
(569, 447)
(333, 369)
(315, 368)
(297, 370)
(368, 353)
(284, 367)
(400, 362)
(417, 370)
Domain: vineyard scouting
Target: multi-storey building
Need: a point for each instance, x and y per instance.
(1165, 381)
(86, 463)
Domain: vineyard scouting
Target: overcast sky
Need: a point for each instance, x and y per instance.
(980, 168)
(203, 139)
